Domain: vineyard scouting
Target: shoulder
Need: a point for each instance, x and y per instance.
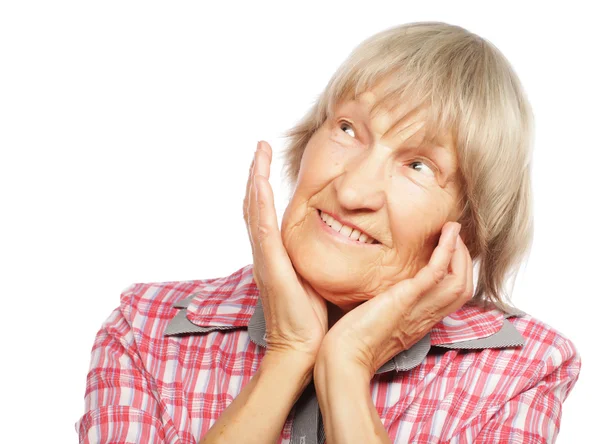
(548, 351)
(141, 303)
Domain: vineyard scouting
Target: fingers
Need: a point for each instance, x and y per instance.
(252, 207)
(268, 236)
(436, 270)
(248, 185)
(462, 270)
(441, 287)
(248, 198)
(462, 290)
(458, 266)
(247, 195)
(249, 182)
(468, 274)
(470, 283)
(264, 168)
(257, 167)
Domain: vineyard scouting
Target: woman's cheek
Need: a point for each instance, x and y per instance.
(336, 159)
(343, 152)
(408, 190)
(333, 157)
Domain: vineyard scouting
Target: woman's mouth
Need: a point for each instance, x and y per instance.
(343, 232)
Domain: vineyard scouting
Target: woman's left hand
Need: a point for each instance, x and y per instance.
(372, 333)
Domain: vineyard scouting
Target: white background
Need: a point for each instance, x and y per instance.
(126, 133)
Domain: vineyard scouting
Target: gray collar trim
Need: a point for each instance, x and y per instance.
(508, 336)
(307, 427)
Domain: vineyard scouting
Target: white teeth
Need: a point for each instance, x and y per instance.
(335, 224)
(353, 234)
(346, 231)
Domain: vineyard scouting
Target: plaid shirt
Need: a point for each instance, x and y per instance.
(174, 355)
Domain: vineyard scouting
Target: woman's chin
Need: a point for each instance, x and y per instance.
(326, 268)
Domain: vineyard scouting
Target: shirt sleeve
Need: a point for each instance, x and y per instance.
(120, 403)
(534, 415)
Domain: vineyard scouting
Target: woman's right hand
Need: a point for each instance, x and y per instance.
(295, 314)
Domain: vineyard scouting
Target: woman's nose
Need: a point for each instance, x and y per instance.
(362, 184)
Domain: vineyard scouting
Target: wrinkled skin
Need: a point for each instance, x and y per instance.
(379, 184)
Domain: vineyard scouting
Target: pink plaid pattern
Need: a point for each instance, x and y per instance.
(143, 387)
(459, 326)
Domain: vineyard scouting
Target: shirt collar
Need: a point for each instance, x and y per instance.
(234, 302)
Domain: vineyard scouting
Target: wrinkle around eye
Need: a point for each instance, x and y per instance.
(342, 138)
(422, 180)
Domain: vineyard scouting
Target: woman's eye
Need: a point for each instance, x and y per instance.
(423, 164)
(345, 124)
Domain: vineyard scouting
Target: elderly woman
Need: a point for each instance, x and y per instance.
(359, 321)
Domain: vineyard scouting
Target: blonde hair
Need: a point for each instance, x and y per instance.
(467, 87)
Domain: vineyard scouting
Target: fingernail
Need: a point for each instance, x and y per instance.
(458, 234)
(258, 145)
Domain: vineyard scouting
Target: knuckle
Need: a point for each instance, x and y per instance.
(460, 288)
(398, 301)
(430, 314)
(438, 275)
(405, 292)
(261, 204)
(263, 232)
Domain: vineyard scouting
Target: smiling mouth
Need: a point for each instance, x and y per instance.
(352, 234)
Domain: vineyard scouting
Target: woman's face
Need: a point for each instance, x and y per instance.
(380, 185)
